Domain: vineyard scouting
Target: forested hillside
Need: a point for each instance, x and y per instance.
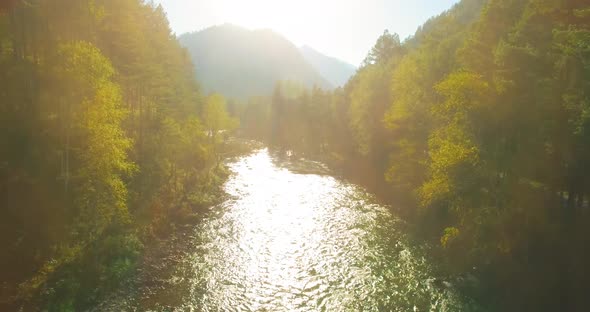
(479, 127)
(241, 63)
(475, 131)
(101, 145)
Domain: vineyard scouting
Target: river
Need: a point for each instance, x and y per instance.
(292, 237)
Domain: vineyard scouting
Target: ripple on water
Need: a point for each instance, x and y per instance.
(289, 241)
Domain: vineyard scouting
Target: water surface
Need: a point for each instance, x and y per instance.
(293, 238)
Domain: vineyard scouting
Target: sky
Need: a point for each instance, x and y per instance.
(345, 29)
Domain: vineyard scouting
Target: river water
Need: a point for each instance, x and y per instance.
(291, 237)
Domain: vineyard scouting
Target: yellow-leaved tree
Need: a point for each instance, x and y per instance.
(216, 120)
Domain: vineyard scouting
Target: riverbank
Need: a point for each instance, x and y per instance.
(86, 275)
(165, 248)
(289, 236)
(164, 251)
(420, 230)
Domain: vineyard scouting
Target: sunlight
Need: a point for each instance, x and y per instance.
(225, 155)
(303, 22)
(343, 29)
(295, 19)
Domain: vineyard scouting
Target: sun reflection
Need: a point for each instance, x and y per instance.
(298, 242)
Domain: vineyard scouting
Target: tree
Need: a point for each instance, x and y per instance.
(94, 113)
(215, 117)
(386, 47)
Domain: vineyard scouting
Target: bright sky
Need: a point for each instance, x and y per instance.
(345, 29)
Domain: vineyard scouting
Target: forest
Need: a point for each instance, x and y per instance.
(105, 138)
(476, 129)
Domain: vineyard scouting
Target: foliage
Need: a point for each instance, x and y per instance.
(479, 123)
(101, 145)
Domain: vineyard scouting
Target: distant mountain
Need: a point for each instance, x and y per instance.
(240, 63)
(336, 71)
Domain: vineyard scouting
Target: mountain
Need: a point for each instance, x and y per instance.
(336, 71)
(240, 63)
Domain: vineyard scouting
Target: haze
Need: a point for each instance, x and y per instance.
(226, 156)
(346, 32)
